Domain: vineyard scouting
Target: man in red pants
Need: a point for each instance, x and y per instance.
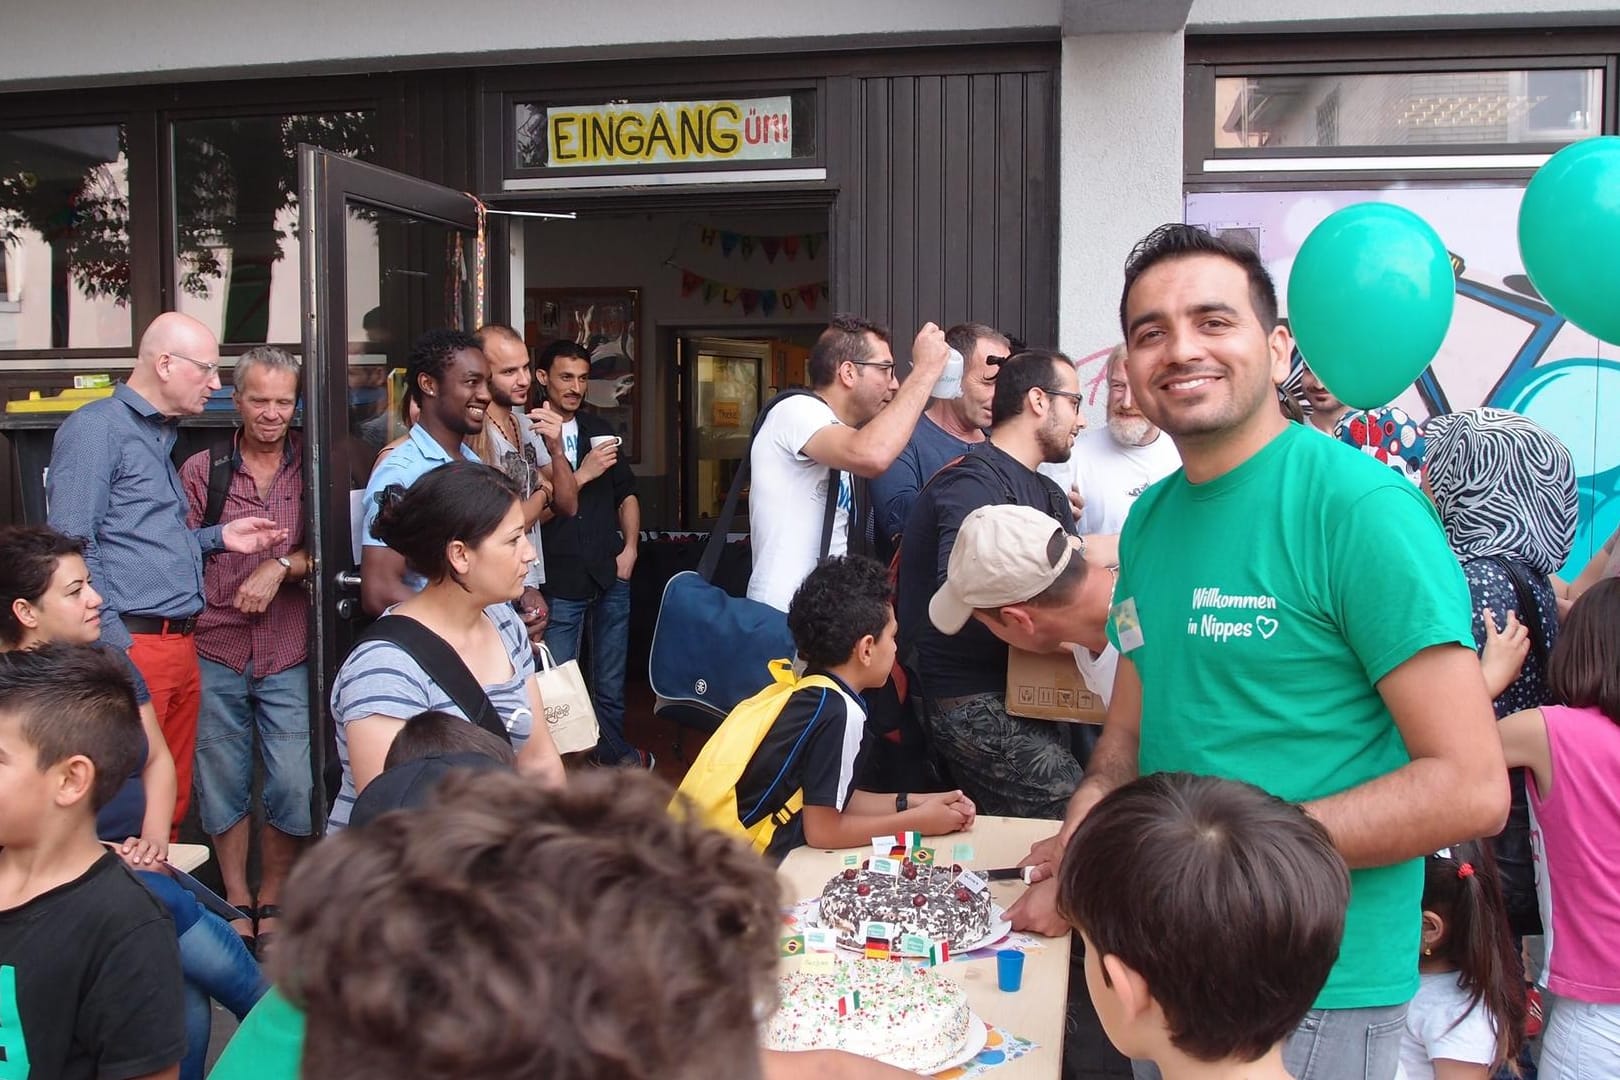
(112, 483)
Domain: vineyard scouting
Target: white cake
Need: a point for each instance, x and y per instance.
(909, 1017)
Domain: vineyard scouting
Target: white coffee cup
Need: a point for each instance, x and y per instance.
(602, 440)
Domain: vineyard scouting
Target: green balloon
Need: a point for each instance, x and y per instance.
(1569, 234)
(1370, 298)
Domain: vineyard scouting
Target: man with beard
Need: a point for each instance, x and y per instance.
(856, 421)
(1326, 410)
(950, 428)
(530, 452)
(1110, 468)
(1006, 764)
(447, 378)
(1291, 616)
(591, 555)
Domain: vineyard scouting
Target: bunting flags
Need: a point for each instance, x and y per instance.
(767, 301)
(788, 245)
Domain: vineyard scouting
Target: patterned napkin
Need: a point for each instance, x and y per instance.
(1000, 1048)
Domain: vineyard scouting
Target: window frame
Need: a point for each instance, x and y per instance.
(1210, 58)
(148, 113)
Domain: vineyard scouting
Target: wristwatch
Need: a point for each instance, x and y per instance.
(286, 563)
(901, 802)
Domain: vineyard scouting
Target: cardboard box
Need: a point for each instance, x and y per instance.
(1048, 686)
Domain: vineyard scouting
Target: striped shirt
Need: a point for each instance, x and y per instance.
(381, 679)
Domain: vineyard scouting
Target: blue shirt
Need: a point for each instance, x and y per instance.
(930, 447)
(405, 464)
(112, 484)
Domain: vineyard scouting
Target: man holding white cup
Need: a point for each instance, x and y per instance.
(590, 556)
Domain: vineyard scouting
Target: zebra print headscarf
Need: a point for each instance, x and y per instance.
(1503, 485)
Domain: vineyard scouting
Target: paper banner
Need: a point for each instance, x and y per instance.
(750, 300)
(812, 242)
(728, 242)
(707, 237)
(767, 302)
(747, 247)
(770, 244)
(790, 247)
(690, 282)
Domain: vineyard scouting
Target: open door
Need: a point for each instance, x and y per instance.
(385, 257)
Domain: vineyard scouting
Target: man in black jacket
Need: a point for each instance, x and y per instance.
(590, 556)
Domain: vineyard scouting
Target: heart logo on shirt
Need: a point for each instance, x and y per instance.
(1266, 625)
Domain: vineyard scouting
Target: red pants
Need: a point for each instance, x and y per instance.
(168, 663)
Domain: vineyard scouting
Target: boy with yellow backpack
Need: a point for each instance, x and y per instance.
(780, 770)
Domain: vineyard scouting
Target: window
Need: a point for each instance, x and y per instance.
(236, 216)
(64, 227)
(1403, 110)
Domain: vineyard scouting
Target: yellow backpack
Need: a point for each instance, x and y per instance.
(709, 791)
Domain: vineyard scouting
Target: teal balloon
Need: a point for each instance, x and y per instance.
(1370, 298)
(1569, 234)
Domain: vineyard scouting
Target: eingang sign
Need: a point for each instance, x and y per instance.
(669, 132)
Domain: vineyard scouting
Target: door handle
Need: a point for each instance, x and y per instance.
(346, 579)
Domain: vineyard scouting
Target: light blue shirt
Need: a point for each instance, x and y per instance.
(405, 465)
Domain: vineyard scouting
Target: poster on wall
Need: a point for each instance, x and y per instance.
(606, 323)
(1506, 347)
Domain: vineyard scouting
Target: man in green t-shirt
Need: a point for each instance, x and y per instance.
(1288, 614)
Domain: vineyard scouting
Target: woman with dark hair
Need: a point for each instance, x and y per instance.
(461, 527)
(1505, 491)
(46, 596)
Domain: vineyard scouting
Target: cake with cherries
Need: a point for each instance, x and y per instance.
(906, 1016)
(921, 899)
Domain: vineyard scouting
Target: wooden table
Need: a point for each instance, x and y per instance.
(1036, 1010)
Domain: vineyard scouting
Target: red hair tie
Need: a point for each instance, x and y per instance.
(1465, 870)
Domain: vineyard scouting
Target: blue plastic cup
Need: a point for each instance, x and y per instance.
(1009, 969)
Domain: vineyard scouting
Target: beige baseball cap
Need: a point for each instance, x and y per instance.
(1000, 557)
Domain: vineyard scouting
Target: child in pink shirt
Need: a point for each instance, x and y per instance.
(1572, 750)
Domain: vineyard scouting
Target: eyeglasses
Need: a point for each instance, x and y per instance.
(1077, 398)
(208, 369)
(874, 363)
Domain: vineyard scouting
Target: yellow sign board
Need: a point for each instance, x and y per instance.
(665, 132)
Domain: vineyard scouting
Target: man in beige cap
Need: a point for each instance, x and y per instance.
(1020, 574)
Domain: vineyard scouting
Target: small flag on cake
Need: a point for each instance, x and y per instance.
(923, 856)
(897, 844)
(820, 939)
(879, 941)
(939, 951)
(848, 1003)
(793, 946)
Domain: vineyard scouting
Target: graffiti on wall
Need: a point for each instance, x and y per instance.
(1506, 347)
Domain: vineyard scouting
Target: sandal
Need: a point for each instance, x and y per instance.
(265, 938)
(250, 940)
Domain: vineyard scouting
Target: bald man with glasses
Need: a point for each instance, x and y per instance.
(113, 484)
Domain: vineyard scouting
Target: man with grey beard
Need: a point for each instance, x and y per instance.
(1110, 467)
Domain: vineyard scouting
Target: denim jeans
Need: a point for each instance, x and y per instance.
(235, 705)
(1582, 1040)
(1335, 1044)
(607, 619)
(214, 963)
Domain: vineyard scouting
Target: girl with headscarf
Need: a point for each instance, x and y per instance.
(1505, 491)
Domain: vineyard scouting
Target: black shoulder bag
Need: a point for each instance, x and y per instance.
(443, 666)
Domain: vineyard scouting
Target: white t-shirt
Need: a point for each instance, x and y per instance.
(570, 440)
(1429, 1033)
(520, 466)
(1110, 476)
(787, 500)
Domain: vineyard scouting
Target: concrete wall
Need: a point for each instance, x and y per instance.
(1120, 176)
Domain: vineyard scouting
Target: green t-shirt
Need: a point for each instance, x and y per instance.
(1267, 603)
(268, 1046)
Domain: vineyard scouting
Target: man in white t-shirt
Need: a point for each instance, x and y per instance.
(857, 421)
(1327, 411)
(523, 450)
(1110, 467)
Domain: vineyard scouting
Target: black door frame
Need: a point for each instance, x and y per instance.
(328, 184)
